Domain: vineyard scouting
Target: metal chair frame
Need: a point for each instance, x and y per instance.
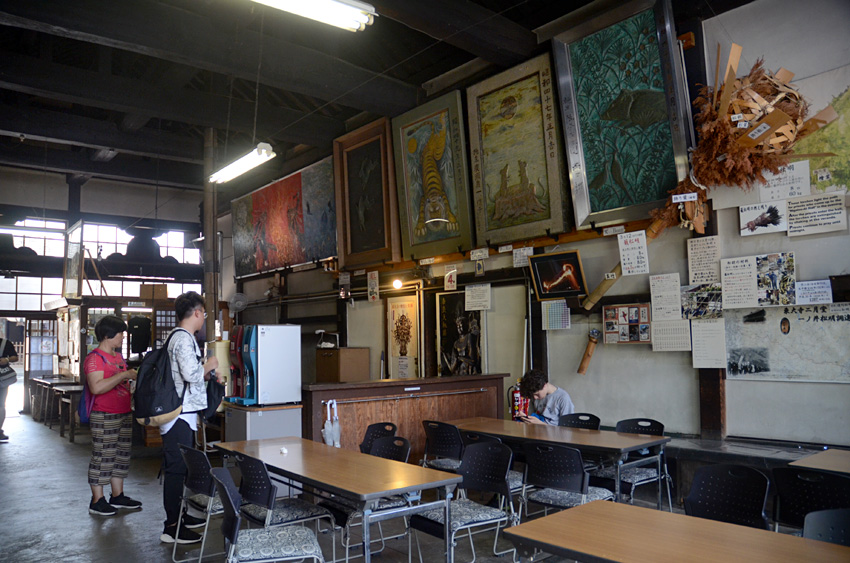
(198, 482)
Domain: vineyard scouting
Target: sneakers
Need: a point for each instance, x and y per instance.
(125, 502)
(101, 508)
(3, 437)
(191, 522)
(183, 537)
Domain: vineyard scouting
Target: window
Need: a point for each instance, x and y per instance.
(27, 293)
(44, 244)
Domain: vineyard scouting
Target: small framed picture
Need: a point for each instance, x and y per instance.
(627, 324)
(557, 275)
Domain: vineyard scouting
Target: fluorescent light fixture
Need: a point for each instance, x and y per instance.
(15, 230)
(346, 14)
(137, 309)
(256, 157)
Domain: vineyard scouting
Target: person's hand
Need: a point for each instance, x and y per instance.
(131, 373)
(210, 364)
(532, 420)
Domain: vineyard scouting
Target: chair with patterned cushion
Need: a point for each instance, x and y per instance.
(831, 526)
(484, 467)
(580, 420)
(514, 477)
(729, 493)
(262, 507)
(633, 477)
(443, 444)
(375, 431)
(558, 474)
(801, 491)
(198, 493)
(277, 543)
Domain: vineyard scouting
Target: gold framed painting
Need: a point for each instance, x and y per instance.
(431, 171)
(516, 155)
(367, 208)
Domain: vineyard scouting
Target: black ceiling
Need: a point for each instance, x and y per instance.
(125, 90)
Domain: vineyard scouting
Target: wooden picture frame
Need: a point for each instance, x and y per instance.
(430, 145)
(557, 275)
(518, 176)
(72, 271)
(629, 323)
(461, 336)
(367, 208)
(625, 112)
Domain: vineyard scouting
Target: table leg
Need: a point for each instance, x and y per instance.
(617, 483)
(54, 395)
(62, 418)
(367, 548)
(660, 477)
(72, 421)
(41, 393)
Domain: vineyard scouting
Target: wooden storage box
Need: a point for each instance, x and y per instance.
(153, 291)
(342, 365)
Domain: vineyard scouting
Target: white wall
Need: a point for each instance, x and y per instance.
(39, 190)
(123, 198)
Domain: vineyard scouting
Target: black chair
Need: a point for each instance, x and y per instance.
(374, 431)
(395, 448)
(484, 468)
(443, 444)
(559, 476)
(281, 543)
(633, 477)
(262, 507)
(199, 493)
(831, 526)
(580, 420)
(729, 493)
(801, 491)
(514, 477)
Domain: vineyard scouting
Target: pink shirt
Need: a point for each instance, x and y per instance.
(117, 399)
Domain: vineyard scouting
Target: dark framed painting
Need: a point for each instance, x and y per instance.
(288, 222)
(461, 336)
(367, 208)
(518, 183)
(72, 276)
(557, 275)
(431, 176)
(624, 110)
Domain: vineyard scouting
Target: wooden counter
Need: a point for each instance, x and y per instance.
(405, 402)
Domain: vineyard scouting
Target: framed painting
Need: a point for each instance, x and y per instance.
(558, 275)
(461, 336)
(288, 222)
(627, 324)
(367, 208)
(624, 110)
(433, 190)
(515, 154)
(403, 337)
(72, 275)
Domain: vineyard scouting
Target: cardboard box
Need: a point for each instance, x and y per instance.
(153, 291)
(342, 365)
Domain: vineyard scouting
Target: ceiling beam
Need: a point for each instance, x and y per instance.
(170, 33)
(465, 25)
(73, 85)
(69, 129)
(163, 173)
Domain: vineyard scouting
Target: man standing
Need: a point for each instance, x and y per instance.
(7, 356)
(189, 376)
(550, 402)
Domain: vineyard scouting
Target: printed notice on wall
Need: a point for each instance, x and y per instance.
(704, 260)
(813, 292)
(709, 343)
(633, 255)
(666, 301)
(671, 336)
(521, 256)
(821, 213)
(477, 297)
(792, 181)
(740, 288)
(373, 286)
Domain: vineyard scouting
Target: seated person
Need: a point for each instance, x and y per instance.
(550, 402)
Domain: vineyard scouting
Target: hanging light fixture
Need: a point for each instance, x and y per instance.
(256, 157)
(346, 14)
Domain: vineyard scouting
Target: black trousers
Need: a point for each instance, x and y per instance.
(174, 468)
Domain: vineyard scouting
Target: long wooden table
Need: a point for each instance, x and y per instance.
(605, 531)
(615, 446)
(359, 477)
(834, 461)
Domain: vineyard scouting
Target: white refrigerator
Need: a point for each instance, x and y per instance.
(276, 355)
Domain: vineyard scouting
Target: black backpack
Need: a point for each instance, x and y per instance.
(156, 401)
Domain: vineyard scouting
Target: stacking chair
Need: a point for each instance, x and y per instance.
(729, 493)
(832, 526)
(801, 491)
(348, 515)
(374, 431)
(514, 477)
(280, 543)
(262, 507)
(580, 420)
(199, 493)
(559, 475)
(443, 444)
(484, 468)
(636, 476)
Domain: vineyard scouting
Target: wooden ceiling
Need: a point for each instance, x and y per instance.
(125, 90)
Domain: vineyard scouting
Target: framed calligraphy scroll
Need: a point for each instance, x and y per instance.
(624, 110)
(516, 155)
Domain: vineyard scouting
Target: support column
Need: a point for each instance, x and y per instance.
(209, 231)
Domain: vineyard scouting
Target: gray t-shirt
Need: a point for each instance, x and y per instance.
(554, 405)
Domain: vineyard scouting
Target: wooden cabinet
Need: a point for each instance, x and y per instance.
(342, 365)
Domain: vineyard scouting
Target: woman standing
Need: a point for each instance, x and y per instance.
(111, 421)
